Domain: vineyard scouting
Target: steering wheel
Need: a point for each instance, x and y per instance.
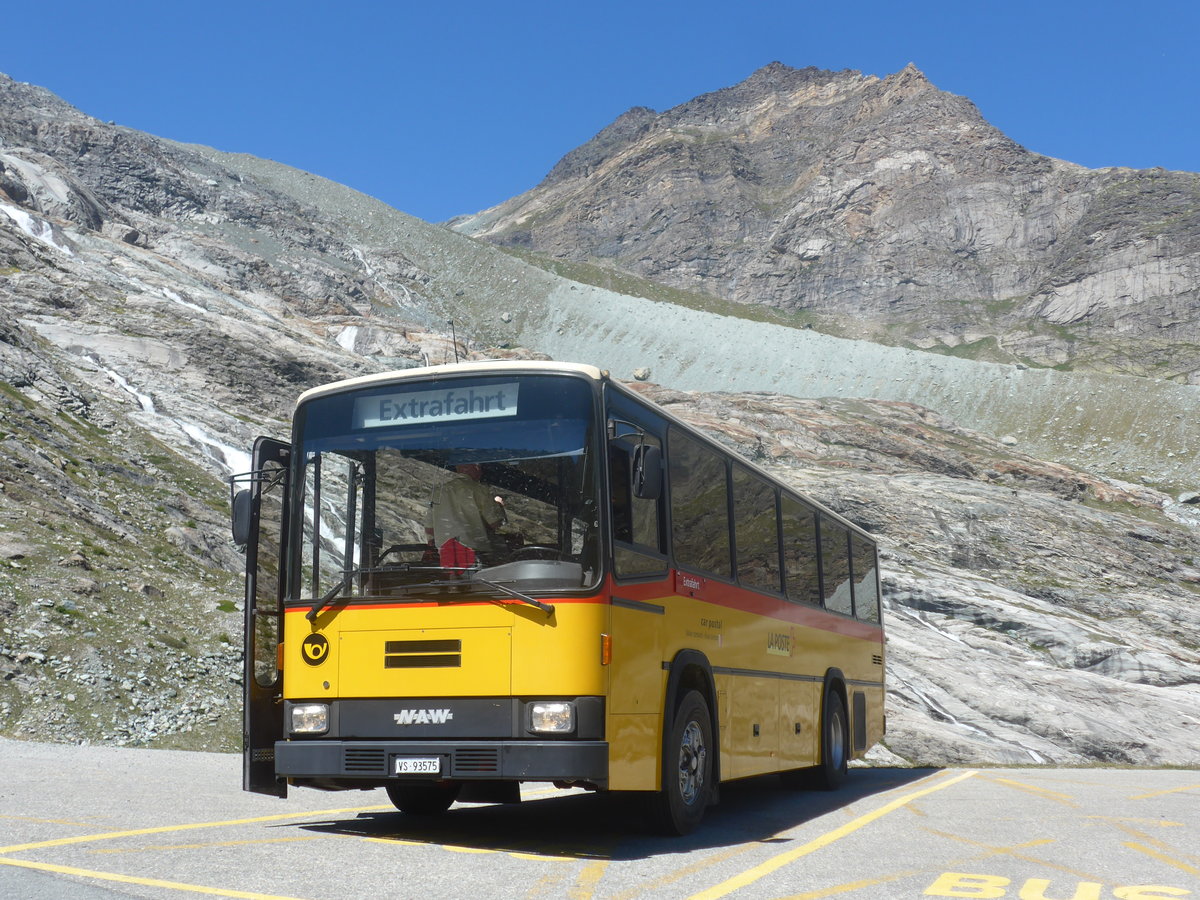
(531, 551)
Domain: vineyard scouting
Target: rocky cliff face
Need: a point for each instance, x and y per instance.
(161, 305)
(884, 209)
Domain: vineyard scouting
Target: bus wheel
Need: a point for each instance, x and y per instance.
(830, 774)
(687, 776)
(429, 799)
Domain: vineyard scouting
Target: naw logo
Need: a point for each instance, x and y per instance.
(423, 717)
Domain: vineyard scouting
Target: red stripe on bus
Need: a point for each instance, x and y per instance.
(731, 596)
(718, 593)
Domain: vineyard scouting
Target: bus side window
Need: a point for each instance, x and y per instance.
(637, 526)
(756, 531)
(699, 506)
(866, 585)
(800, 551)
(835, 566)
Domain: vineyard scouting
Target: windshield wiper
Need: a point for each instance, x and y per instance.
(472, 578)
(325, 598)
(547, 608)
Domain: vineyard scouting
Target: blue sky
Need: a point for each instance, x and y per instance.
(441, 109)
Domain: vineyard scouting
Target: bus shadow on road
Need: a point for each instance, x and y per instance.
(617, 826)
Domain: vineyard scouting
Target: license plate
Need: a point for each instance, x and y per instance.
(418, 765)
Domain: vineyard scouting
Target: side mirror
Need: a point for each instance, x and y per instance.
(646, 472)
(243, 503)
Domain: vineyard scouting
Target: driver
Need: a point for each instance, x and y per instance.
(463, 516)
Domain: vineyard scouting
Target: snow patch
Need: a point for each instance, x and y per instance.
(34, 227)
(234, 460)
(362, 259)
(145, 401)
(175, 298)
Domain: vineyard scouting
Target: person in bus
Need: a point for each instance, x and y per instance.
(463, 516)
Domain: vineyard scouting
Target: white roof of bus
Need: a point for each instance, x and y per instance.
(485, 367)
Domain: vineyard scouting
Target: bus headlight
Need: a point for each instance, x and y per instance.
(552, 717)
(310, 718)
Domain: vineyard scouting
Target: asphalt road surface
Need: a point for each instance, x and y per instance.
(99, 823)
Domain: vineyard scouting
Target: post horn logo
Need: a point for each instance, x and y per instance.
(315, 649)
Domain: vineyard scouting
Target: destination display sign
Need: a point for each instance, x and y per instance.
(444, 405)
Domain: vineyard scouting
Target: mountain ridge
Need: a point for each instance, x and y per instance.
(887, 202)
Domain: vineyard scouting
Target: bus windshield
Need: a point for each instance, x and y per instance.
(457, 483)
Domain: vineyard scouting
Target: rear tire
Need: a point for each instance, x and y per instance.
(429, 799)
(831, 773)
(687, 768)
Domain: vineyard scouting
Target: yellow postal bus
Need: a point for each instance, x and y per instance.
(466, 577)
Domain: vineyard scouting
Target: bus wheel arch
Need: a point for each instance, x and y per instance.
(690, 670)
(690, 752)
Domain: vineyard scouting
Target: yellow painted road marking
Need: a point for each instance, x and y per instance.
(540, 857)
(459, 848)
(1162, 857)
(149, 882)
(543, 885)
(47, 821)
(545, 792)
(587, 880)
(752, 875)
(1145, 841)
(852, 886)
(1033, 789)
(1174, 790)
(206, 845)
(1012, 851)
(166, 829)
(652, 887)
(1153, 823)
(995, 851)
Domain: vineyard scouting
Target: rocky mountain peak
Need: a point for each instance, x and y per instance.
(885, 209)
(777, 78)
(24, 98)
(625, 129)
(910, 75)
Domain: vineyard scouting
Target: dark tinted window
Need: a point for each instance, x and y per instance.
(835, 566)
(699, 506)
(756, 531)
(800, 551)
(866, 585)
(638, 533)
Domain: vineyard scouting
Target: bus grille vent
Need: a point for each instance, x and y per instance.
(482, 760)
(877, 659)
(366, 760)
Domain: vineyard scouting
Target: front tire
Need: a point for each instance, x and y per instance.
(688, 768)
(423, 799)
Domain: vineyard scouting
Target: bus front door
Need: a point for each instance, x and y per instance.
(262, 714)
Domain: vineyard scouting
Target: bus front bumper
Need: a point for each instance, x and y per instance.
(380, 761)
